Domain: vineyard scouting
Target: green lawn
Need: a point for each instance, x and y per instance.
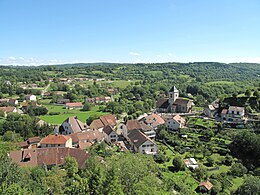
(64, 113)
(201, 122)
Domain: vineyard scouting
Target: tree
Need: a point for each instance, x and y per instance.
(2, 113)
(238, 170)
(71, 166)
(210, 161)
(11, 136)
(228, 160)
(87, 106)
(248, 93)
(177, 163)
(112, 184)
(250, 186)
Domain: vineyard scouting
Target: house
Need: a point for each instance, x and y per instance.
(211, 109)
(129, 126)
(233, 114)
(74, 105)
(98, 100)
(174, 103)
(150, 124)
(56, 141)
(96, 125)
(10, 102)
(141, 143)
(108, 119)
(153, 120)
(204, 187)
(147, 130)
(49, 157)
(33, 142)
(191, 163)
(25, 104)
(86, 139)
(72, 125)
(110, 135)
(63, 101)
(103, 121)
(175, 122)
(30, 98)
(40, 122)
(112, 91)
(8, 109)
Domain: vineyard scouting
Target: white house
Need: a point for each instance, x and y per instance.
(175, 122)
(233, 114)
(72, 125)
(110, 135)
(191, 163)
(30, 98)
(142, 143)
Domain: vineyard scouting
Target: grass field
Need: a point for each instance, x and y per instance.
(64, 113)
(201, 122)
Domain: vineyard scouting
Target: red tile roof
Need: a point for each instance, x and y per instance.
(8, 109)
(48, 156)
(74, 104)
(108, 119)
(55, 139)
(34, 140)
(133, 125)
(96, 124)
(206, 184)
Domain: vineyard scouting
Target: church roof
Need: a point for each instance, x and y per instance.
(173, 89)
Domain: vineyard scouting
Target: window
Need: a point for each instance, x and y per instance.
(143, 146)
(233, 112)
(237, 112)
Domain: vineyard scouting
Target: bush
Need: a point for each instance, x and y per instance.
(238, 170)
(160, 158)
(54, 113)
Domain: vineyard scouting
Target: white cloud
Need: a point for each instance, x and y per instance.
(158, 56)
(134, 53)
(169, 54)
(21, 58)
(11, 58)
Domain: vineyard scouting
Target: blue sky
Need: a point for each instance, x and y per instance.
(37, 32)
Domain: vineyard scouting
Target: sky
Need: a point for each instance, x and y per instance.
(36, 32)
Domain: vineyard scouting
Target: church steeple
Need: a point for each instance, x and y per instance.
(173, 94)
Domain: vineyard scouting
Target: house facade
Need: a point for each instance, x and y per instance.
(233, 114)
(31, 98)
(174, 123)
(72, 125)
(110, 135)
(141, 143)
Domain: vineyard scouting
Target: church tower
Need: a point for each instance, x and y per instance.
(173, 94)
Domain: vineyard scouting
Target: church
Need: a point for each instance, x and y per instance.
(174, 103)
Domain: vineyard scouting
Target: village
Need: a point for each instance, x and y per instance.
(172, 114)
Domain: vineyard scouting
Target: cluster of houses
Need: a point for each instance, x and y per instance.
(9, 105)
(73, 137)
(230, 115)
(99, 100)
